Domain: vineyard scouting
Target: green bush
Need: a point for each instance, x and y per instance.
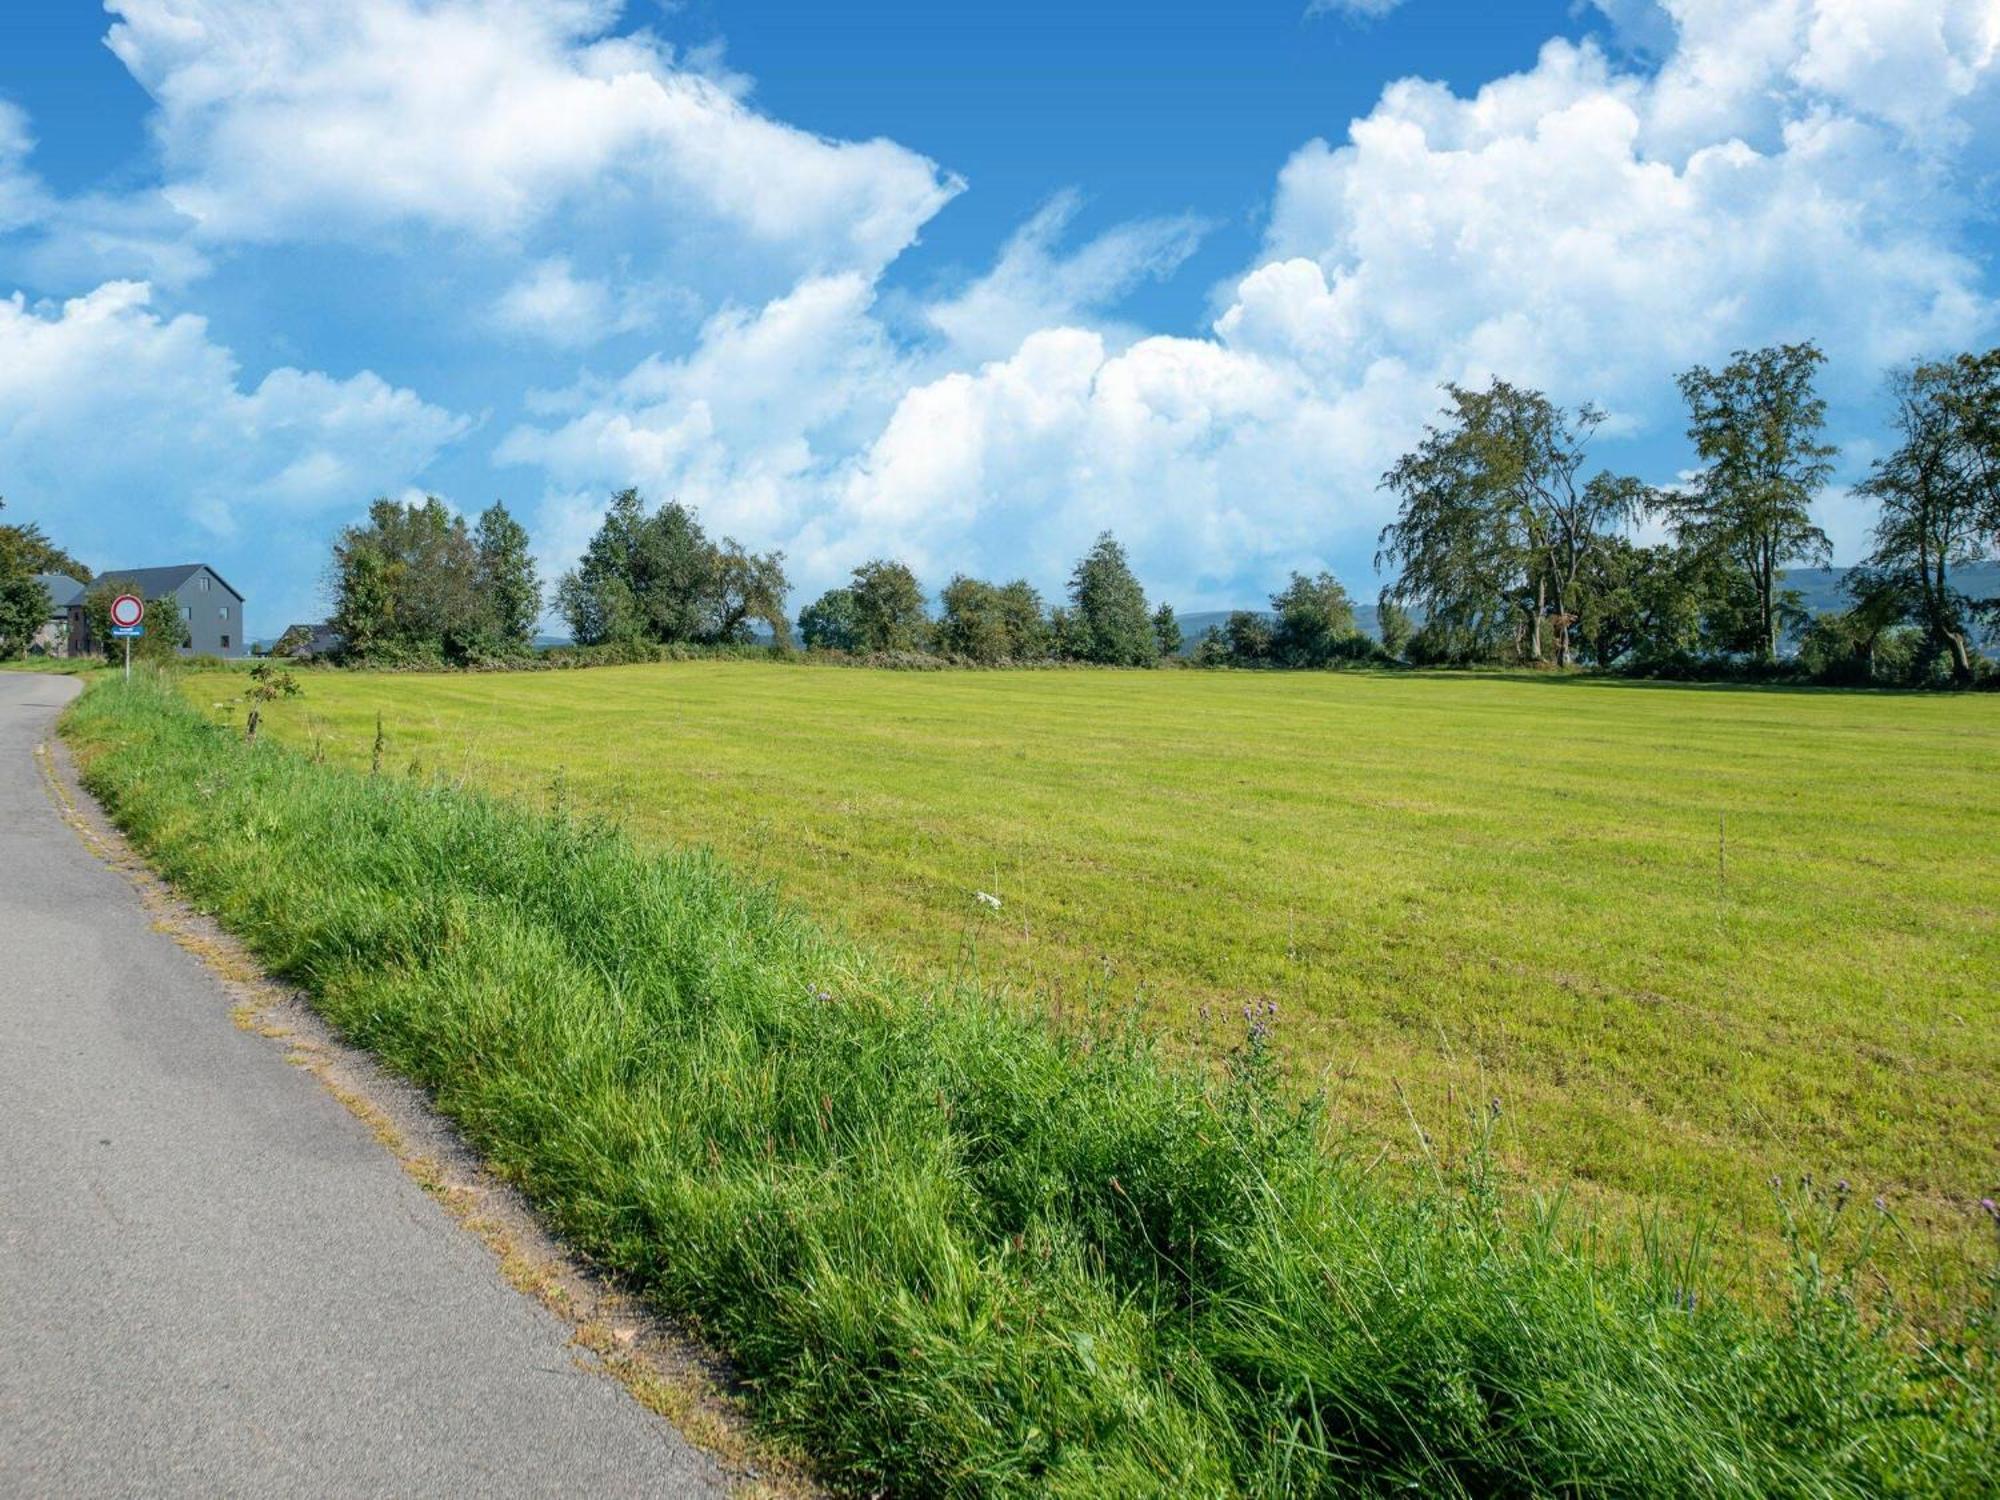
(954, 1252)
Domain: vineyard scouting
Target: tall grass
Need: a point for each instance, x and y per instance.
(956, 1253)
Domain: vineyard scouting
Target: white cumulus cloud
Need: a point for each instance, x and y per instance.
(1035, 284)
(1208, 462)
(553, 305)
(128, 433)
(1526, 230)
(1747, 68)
(750, 427)
(336, 119)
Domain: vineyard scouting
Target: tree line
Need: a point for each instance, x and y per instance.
(415, 584)
(1510, 553)
(656, 580)
(1506, 548)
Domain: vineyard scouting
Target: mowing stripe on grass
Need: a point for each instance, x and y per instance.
(957, 1253)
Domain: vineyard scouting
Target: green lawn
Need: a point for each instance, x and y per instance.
(1686, 937)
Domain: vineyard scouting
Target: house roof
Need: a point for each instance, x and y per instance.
(63, 589)
(315, 639)
(156, 583)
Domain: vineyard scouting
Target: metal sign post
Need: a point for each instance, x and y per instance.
(127, 610)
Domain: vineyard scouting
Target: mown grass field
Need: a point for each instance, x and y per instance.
(1688, 938)
(951, 1250)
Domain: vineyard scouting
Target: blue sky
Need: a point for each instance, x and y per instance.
(963, 284)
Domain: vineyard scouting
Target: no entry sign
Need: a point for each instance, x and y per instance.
(127, 610)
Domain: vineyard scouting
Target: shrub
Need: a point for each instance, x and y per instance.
(828, 623)
(1248, 635)
(970, 622)
(1313, 621)
(1211, 649)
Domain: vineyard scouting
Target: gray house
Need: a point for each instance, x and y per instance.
(57, 637)
(213, 610)
(307, 642)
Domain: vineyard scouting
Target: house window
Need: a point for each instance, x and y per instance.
(223, 613)
(225, 643)
(204, 583)
(187, 613)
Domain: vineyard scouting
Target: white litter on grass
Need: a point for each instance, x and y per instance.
(987, 898)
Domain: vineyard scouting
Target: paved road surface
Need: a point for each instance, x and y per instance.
(212, 1279)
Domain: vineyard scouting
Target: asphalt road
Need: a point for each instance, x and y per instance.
(212, 1279)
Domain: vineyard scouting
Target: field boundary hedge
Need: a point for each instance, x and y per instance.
(954, 1252)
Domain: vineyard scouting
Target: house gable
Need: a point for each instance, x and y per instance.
(211, 607)
(63, 591)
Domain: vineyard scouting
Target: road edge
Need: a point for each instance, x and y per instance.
(660, 1364)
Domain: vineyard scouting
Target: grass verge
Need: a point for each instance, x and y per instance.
(955, 1252)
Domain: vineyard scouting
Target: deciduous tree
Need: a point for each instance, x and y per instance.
(1315, 621)
(1062, 634)
(972, 623)
(1494, 519)
(1863, 645)
(1755, 424)
(889, 608)
(24, 603)
(1249, 637)
(991, 625)
(25, 549)
(1392, 623)
(1937, 496)
(659, 578)
(1211, 649)
(406, 585)
(510, 590)
(1650, 604)
(24, 608)
(1026, 621)
(750, 586)
(1109, 617)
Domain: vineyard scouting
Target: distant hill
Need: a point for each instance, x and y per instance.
(1821, 586)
